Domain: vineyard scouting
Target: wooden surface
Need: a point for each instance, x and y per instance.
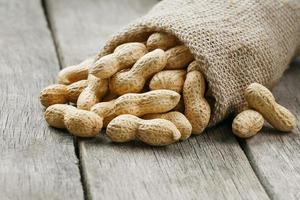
(39, 162)
(213, 166)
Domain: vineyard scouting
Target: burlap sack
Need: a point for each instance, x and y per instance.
(237, 42)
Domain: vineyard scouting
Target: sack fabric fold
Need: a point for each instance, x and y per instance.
(236, 42)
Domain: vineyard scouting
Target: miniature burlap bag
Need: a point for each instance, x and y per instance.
(237, 42)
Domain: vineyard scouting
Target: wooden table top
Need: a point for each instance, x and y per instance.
(38, 162)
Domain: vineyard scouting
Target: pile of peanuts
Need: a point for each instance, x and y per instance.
(150, 91)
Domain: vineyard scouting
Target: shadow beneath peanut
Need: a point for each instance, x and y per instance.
(63, 132)
(270, 131)
(103, 140)
(220, 133)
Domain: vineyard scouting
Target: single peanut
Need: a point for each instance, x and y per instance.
(157, 101)
(133, 80)
(197, 109)
(93, 93)
(168, 79)
(162, 41)
(193, 66)
(262, 100)
(178, 119)
(156, 132)
(60, 94)
(54, 94)
(124, 56)
(75, 89)
(247, 123)
(178, 57)
(75, 73)
(78, 122)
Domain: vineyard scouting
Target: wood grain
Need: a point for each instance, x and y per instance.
(275, 156)
(82, 27)
(36, 162)
(211, 166)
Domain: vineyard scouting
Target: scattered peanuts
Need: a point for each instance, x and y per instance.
(156, 132)
(247, 123)
(113, 92)
(60, 94)
(261, 99)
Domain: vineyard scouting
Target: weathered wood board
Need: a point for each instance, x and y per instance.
(275, 156)
(36, 162)
(209, 166)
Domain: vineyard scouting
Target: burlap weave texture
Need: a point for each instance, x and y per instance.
(236, 42)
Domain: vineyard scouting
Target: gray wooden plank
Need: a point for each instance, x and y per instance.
(212, 166)
(85, 25)
(36, 162)
(275, 156)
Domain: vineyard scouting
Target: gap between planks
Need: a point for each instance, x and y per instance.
(60, 62)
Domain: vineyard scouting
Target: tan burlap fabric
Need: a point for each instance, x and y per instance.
(237, 42)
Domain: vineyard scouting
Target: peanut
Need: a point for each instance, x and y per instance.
(247, 123)
(78, 122)
(75, 89)
(178, 57)
(262, 100)
(157, 101)
(106, 110)
(178, 119)
(124, 56)
(197, 109)
(156, 132)
(75, 73)
(133, 81)
(108, 119)
(168, 79)
(162, 41)
(193, 66)
(59, 93)
(93, 93)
